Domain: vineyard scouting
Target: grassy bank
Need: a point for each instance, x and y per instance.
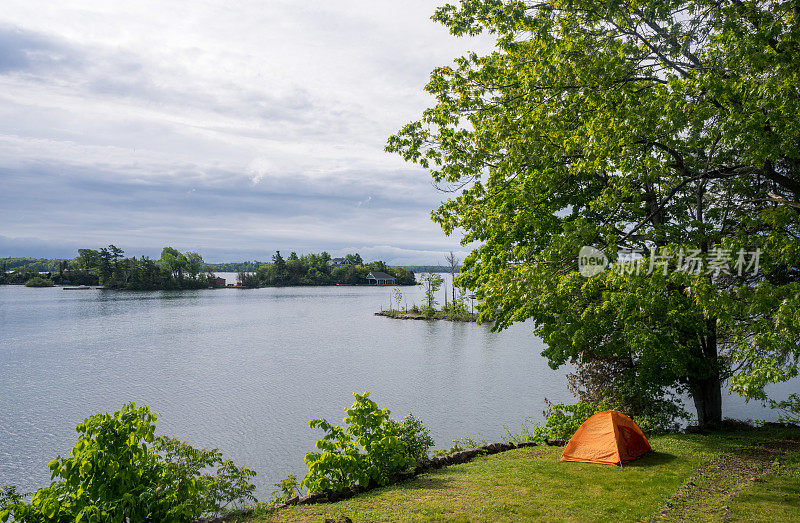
(743, 475)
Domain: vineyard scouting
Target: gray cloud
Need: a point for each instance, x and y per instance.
(90, 209)
(28, 51)
(224, 127)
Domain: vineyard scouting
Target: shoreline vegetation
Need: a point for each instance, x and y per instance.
(51, 265)
(377, 468)
(108, 268)
(38, 281)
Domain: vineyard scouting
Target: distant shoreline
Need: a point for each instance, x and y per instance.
(398, 315)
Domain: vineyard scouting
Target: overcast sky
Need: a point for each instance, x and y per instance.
(231, 128)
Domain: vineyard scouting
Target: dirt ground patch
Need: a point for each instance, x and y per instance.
(706, 494)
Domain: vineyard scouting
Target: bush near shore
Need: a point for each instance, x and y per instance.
(38, 281)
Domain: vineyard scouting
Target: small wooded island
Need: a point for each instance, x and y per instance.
(455, 310)
(321, 269)
(417, 313)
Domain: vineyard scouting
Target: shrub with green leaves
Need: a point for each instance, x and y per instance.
(207, 493)
(120, 471)
(369, 450)
(288, 488)
(9, 495)
(415, 436)
(563, 420)
(38, 281)
(462, 443)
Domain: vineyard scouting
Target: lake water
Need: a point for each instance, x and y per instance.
(244, 370)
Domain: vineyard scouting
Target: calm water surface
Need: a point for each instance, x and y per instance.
(244, 370)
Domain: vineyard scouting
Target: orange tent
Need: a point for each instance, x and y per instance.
(607, 437)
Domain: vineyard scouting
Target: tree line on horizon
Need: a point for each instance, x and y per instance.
(109, 268)
(51, 265)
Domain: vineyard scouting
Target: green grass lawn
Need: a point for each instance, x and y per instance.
(772, 498)
(532, 484)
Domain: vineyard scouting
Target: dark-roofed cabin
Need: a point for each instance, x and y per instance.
(380, 278)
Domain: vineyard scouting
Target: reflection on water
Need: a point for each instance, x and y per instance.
(244, 370)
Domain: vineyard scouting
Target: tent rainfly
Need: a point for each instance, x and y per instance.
(607, 437)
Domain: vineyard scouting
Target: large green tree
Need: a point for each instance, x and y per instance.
(174, 262)
(661, 126)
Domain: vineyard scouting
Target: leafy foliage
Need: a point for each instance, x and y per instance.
(415, 437)
(397, 297)
(369, 450)
(288, 488)
(665, 127)
(108, 267)
(186, 469)
(247, 279)
(9, 496)
(462, 443)
(431, 283)
(33, 264)
(175, 270)
(230, 486)
(563, 419)
(38, 281)
(246, 266)
(615, 384)
(529, 431)
(317, 269)
(790, 409)
(120, 471)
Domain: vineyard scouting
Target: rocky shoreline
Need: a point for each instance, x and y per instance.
(437, 462)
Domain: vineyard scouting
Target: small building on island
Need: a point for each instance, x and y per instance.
(380, 278)
(338, 262)
(218, 283)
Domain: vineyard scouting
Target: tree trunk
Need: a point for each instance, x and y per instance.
(707, 396)
(707, 390)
